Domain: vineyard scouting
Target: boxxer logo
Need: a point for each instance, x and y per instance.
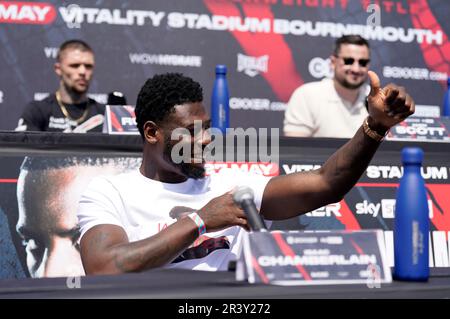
(320, 68)
(26, 12)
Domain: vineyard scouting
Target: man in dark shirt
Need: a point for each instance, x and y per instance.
(68, 109)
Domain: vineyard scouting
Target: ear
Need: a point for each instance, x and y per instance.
(57, 67)
(152, 132)
(333, 61)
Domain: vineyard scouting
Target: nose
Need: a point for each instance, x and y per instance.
(82, 69)
(201, 136)
(62, 259)
(355, 67)
(206, 137)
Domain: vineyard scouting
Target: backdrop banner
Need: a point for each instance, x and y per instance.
(269, 46)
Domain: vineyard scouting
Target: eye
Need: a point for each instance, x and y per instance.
(364, 62)
(348, 61)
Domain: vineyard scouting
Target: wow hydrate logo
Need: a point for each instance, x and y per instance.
(26, 12)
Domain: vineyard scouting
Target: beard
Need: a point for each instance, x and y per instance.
(192, 171)
(79, 91)
(195, 171)
(352, 86)
(75, 91)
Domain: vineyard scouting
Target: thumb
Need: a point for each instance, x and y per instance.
(374, 83)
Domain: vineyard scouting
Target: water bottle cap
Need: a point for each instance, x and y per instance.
(221, 69)
(412, 155)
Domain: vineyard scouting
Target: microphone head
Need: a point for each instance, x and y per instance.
(116, 98)
(242, 193)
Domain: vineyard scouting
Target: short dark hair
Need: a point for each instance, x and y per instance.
(161, 93)
(73, 44)
(349, 39)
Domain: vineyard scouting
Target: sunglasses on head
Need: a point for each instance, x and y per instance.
(349, 61)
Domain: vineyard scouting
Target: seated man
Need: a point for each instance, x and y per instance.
(134, 221)
(333, 107)
(68, 109)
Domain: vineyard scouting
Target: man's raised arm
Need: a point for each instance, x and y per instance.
(291, 195)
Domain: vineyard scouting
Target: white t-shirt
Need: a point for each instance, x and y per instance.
(143, 207)
(315, 109)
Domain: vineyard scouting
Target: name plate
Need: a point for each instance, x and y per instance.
(314, 258)
(421, 129)
(120, 119)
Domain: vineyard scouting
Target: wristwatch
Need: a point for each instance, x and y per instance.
(371, 133)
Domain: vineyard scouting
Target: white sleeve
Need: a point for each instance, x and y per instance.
(99, 204)
(258, 184)
(255, 181)
(298, 117)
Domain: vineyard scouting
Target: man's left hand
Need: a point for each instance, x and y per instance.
(388, 106)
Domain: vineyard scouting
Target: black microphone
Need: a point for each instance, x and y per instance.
(116, 98)
(243, 196)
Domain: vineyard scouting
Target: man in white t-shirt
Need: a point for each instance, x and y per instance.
(333, 107)
(169, 214)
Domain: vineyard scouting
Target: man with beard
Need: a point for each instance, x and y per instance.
(169, 214)
(333, 107)
(68, 109)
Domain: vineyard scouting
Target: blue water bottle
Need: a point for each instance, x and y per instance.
(411, 227)
(220, 108)
(446, 104)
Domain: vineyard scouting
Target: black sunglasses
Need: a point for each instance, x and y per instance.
(349, 61)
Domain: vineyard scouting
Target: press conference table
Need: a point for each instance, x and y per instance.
(186, 284)
(180, 284)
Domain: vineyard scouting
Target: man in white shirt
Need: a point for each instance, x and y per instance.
(333, 107)
(169, 214)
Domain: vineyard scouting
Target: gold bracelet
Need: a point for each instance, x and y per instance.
(371, 133)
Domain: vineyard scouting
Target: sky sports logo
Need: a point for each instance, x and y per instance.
(385, 209)
(27, 12)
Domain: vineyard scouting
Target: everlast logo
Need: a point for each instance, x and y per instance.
(252, 65)
(26, 12)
